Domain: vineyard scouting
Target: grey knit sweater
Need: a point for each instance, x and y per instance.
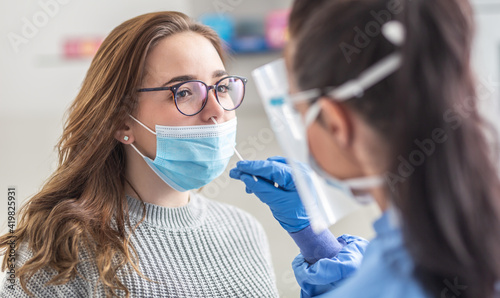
(203, 249)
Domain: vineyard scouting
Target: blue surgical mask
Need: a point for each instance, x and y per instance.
(189, 157)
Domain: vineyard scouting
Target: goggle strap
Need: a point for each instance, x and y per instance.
(370, 77)
(311, 114)
(305, 96)
(355, 87)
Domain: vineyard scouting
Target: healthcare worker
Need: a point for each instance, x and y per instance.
(389, 102)
(154, 121)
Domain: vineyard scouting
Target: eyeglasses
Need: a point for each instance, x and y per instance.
(191, 96)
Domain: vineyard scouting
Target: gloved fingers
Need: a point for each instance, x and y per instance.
(248, 190)
(301, 166)
(235, 173)
(283, 160)
(261, 184)
(277, 158)
(264, 190)
(304, 168)
(270, 170)
(262, 168)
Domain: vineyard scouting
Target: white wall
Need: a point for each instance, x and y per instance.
(486, 56)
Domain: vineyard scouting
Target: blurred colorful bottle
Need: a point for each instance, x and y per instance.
(276, 28)
(222, 24)
(81, 47)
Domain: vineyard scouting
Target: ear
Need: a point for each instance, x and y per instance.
(336, 119)
(125, 134)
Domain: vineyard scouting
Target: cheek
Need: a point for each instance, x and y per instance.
(330, 157)
(228, 115)
(160, 109)
(144, 140)
(319, 145)
(153, 110)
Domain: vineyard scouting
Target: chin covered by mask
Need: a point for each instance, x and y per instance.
(189, 157)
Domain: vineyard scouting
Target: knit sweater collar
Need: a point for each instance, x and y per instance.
(188, 216)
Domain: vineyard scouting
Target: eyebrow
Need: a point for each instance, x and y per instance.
(183, 78)
(219, 73)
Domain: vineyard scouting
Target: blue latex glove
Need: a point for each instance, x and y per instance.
(329, 273)
(284, 201)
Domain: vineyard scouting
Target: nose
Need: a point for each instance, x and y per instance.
(212, 108)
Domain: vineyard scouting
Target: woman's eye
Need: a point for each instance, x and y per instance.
(183, 93)
(222, 88)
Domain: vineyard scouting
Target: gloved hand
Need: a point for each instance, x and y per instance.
(284, 200)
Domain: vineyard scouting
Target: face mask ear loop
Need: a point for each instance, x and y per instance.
(137, 150)
(149, 129)
(365, 182)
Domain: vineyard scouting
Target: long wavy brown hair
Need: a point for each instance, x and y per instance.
(82, 205)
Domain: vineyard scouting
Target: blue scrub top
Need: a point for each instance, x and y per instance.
(385, 270)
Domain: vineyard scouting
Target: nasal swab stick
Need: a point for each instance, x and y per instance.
(235, 151)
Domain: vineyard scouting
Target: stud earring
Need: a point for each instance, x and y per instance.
(125, 138)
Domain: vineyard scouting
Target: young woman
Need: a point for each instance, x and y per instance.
(117, 218)
(417, 126)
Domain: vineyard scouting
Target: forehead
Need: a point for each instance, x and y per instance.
(186, 53)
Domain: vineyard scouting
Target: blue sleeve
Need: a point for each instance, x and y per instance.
(317, 246)
(327, 273)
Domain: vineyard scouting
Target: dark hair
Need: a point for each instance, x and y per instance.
(449, 197)
(300, 13)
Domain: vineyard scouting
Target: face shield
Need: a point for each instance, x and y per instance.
(324, 203)
(325, 200)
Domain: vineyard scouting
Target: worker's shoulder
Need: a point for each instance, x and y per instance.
(387, 271)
